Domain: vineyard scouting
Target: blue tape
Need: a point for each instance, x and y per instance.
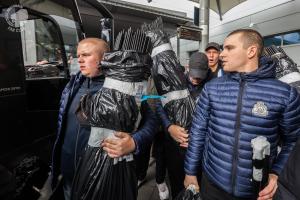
(145, 97)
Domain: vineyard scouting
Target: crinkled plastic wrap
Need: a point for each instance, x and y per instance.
(168, 76)
(114, 108)
(128, 66)
(286, 69)
(98, 178)
(188, 194)
(180, 111)
(167, 73)
(115, 105)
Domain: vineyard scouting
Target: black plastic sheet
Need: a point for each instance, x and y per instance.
(114, 110)
(103, 180)
(127, 66)
(187, 194)
(110, 108)
(285, 66)
(180, 111)
(99, 176)
(168, 76)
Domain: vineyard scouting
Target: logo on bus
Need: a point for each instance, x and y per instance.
(16, 17)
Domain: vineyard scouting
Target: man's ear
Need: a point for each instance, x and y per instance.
(252, 51)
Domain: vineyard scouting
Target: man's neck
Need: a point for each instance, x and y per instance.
(250, 66)
(214, 68)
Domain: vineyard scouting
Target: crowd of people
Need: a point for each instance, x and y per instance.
(237, 99)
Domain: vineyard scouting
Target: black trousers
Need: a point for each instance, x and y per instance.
(159, 152)
(175, 161)
(142, 163)
(209, 191)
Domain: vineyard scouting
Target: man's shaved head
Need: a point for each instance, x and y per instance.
(100, 45)
(89, 53)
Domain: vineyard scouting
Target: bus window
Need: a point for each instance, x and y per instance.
(70, 38)
(41, 47)
(62, 13)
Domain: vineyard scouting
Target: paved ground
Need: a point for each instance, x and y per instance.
(148, 191)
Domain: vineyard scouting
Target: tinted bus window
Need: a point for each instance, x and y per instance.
(61, 12)
(42, 49)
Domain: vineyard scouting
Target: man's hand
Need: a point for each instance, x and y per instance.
(117, 147)
(179, 134)
(191, 180)
(268, 192)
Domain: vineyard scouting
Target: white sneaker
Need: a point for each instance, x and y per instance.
(163, 191)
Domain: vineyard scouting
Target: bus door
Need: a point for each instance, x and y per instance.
(37, 50)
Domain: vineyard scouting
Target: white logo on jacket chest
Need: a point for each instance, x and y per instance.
(260, 109)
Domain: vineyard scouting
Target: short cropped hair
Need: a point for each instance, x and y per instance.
(101, 45)
(250, 37)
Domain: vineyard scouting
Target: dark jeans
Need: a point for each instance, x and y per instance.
(175, 161)
(142, 163)
(160, 157)
(209, 191)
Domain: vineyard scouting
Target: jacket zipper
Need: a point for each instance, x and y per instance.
(78, 131)
(237, 135)
(76, 146)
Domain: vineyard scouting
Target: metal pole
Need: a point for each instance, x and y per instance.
(178, 43)
(204, 23)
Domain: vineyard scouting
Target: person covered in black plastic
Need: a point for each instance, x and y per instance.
(122, 124)
(177, 137)
(245, 103)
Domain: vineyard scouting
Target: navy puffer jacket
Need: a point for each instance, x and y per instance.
(67, 95)
(231, 111)
(142, 137)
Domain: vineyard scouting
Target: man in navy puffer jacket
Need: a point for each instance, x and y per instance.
(72, 137)
(245, 103)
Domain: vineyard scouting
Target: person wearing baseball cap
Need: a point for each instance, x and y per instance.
(212, 52)
(196, 78)
(197, 74)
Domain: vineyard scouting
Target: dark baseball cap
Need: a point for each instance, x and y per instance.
(198, 65)
(213, 45)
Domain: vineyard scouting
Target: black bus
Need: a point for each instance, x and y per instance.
(38, 40)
